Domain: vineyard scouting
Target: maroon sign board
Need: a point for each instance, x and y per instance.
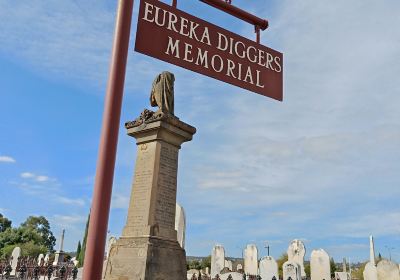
(171, 35)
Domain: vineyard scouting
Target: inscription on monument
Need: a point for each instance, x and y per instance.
(165, 206)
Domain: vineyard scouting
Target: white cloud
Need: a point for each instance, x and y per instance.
(37, 178)
(70, 201)
(120, 201)
(27, 175)
(7, 159)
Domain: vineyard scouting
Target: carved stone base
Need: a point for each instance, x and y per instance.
(146, 258)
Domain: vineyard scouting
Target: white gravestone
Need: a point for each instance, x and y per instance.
(370, 272)
(320, 265)
(296, 252)
(234, 275)
(40, 259)
(46, 259)
(268, 268)
(251, 259)
(343, 275)
(239, 267)
(180, 225)
(228, 264)
(217, 260)
(388, 270)
(291, 271)
(111, 241)
(16, 253)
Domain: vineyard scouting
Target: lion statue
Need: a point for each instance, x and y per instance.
(162, 92)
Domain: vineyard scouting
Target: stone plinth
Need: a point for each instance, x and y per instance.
(148, 248)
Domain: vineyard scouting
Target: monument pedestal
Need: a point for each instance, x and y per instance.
(148, 248)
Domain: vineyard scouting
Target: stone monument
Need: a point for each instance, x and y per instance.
(16, 253)
(268, 268)
(320, 265)
(370, 272)
(148, 248)
(296, 252)
(388, 270)
(180, 225)
(217, 260)
(59, 255)
(291, 271)
(251, 259)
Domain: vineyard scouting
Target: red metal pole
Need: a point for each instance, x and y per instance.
(236, 12)
(95, 246)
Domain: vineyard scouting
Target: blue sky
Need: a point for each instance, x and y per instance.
(322, 166)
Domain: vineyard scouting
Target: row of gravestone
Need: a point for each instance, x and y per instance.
(42, 260)
(267, 267)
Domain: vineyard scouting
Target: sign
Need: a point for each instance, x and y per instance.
(171, 35)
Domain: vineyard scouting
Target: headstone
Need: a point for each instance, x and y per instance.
(192, 272)
(342, 275)
(320, 265)
(228, 264)
(239, 267)
(296, 252)
(217, 260)
(291, 270)
(111, 241)
(233, 275)
(46, 259)
(180, 225)
(75, 261)
(207, 270)
(251, 259)
(268, 268)
(388, 270)
(40, 259)
(370, 272)
(148, 248)
(16, 253)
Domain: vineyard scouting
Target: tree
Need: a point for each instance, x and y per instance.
(307, 269)
(281, 260)
(78, 249)
(333, 267)
(4, 223)
(206, 262)
(33, 236)
(41, 226)
(81, 257)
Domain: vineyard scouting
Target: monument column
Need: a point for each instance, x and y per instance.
(148, 248)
